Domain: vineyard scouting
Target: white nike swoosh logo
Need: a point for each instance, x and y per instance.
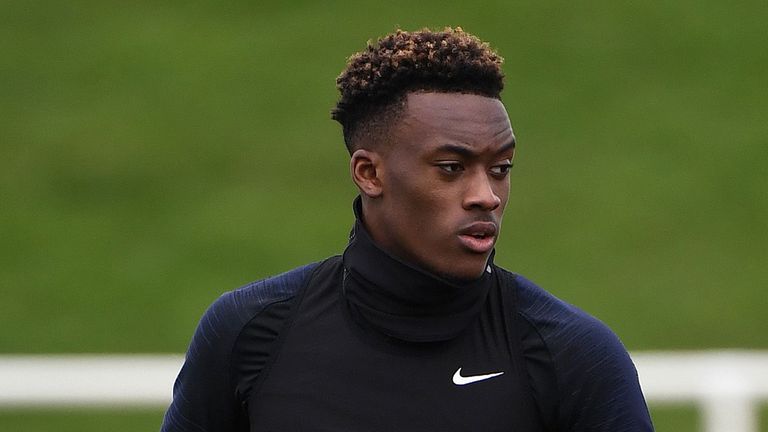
(462, 380)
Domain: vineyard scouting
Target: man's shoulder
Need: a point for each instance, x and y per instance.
(564, 327)
(203, 388)
(596, 382)
(248, 300)
(226, 316)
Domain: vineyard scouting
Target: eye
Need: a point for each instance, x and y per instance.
(501, 169)
(450, 167)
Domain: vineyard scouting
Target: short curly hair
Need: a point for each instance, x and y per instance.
(376, 80)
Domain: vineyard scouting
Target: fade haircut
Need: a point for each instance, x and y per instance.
(375, 82)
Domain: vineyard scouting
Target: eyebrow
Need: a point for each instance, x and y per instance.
(468, 152)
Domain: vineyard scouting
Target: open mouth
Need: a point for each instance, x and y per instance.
(478, 243)
(479, 237)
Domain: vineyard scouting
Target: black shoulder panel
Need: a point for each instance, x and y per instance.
(204, 395)
(597, 388)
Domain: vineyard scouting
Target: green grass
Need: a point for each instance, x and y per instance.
(676, 418)
(80, 420)
(153, 155)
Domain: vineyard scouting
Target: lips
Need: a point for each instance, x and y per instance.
(478, 237)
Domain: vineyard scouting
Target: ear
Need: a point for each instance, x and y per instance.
(365, 167)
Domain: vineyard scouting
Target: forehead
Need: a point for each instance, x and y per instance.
(432, 119)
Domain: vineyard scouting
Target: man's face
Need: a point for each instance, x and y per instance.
(445, 183)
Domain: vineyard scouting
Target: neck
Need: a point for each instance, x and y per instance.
(403, 300)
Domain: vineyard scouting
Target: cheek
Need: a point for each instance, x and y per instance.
(409, 188)
(503, 193)
(418, 203)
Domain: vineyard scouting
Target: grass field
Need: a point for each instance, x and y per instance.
(153, 155)
(665, 419)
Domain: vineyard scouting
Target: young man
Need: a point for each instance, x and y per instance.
(413, 328)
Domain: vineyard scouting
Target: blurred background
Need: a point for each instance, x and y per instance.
(156, 154)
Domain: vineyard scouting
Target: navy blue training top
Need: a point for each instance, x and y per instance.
(366, 342)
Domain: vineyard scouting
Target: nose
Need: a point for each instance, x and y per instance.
(480, 194)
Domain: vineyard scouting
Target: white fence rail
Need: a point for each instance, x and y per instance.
(727, 386)
(142, 381)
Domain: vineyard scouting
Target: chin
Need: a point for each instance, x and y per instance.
(463, 274)
(461, 267)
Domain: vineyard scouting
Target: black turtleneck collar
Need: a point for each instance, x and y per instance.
(405, 301)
